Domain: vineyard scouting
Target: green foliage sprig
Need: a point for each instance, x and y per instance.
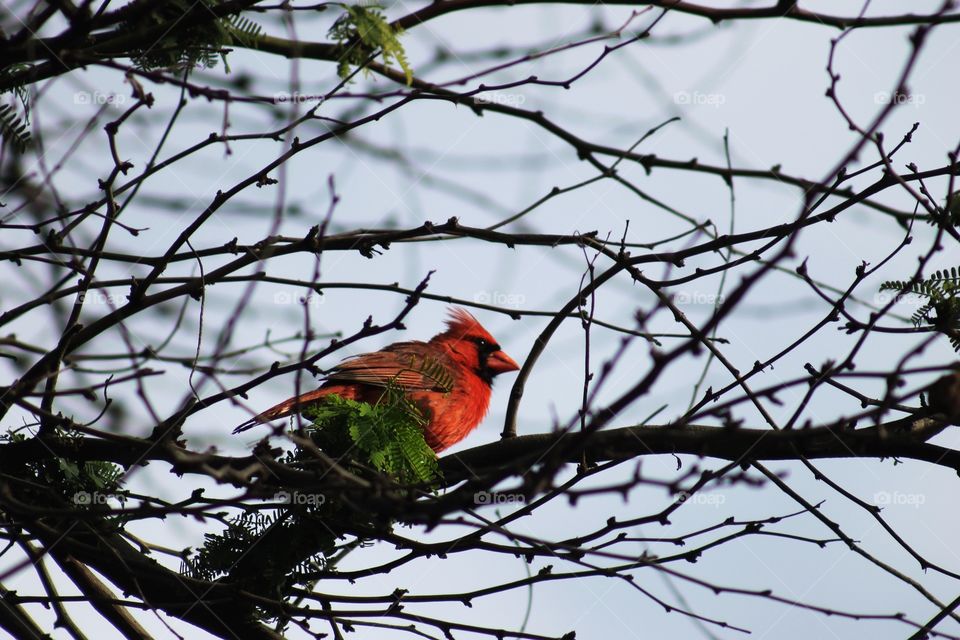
(950, 214)
(942, 306)
(197, 45)
(243, 31)
(13, 129)
(76, 482)
(388, 435)
(290, 553)
(360, 31)
(270, 554)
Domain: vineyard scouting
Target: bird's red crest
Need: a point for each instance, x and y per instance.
(461, 323)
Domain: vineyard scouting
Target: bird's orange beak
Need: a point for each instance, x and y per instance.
(498, 362)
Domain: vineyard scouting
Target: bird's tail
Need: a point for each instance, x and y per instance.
(284, 409)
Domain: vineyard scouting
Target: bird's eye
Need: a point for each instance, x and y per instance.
(486, 345)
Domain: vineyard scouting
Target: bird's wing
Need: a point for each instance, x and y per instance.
(407, 366)
(412, 366)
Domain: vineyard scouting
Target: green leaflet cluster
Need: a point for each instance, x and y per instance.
(13, 127)
(949, 215)
(362, 30)
(269, 553)
(388, 435)
(200, 44)
(942, 306)
(220, 552)
(86, 485)
(182, 40)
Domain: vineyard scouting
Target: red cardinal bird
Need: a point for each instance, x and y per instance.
(448, 378)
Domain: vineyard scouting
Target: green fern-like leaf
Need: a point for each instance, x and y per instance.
(950, 277)
(941, 308)
(953, 208)
(271, 554)
(955, 342)
(414, 454)
(202, 44)
(387, 436)
(11, 72)
(244, 32)
(178, 48)
(221, 551)
(894, 285)
(950, 213)
(85, 484)
(13, 130)
(922, 314)
(360, 31)
(267, 552)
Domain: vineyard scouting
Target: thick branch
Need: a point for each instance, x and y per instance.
(904, 438)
